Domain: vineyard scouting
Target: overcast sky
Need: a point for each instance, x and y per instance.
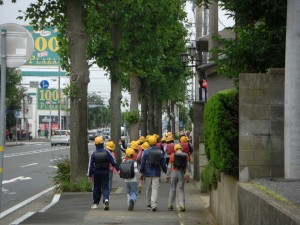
(9, 11)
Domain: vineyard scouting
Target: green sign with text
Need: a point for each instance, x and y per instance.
(45, 47)
(50, 97)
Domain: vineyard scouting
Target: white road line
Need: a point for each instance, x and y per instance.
(54, 167)
(14, 208)
(16, 179)
(54, 201)
(30, 152)
(119, 190)
(55, 159)
(22, 218)
(32, 164)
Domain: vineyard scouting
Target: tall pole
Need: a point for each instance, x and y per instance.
(59, 119)
(2, 105)
(50, 124)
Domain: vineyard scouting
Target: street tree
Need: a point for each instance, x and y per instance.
(98, 112)
(13, 96)
(260, 37)
(69, 17)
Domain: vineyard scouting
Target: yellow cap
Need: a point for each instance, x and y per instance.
(99, 140)
(145, 145)
(177, 147)
(152, 140)
(170, 138)
(134, 144)
(129, 152)
(183, 139)
(142, 139)
(110, 145)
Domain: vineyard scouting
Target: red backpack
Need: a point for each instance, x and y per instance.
(185, 147)
(170, 148)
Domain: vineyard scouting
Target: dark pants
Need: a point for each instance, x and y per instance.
(101, 182)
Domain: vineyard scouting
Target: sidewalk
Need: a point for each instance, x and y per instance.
(74, 208)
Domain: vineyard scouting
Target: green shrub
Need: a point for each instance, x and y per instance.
(132, 116)
(62, 180)
(210, 177)
(221, 131)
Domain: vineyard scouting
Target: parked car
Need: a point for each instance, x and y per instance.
(60, 137)
(93, 134)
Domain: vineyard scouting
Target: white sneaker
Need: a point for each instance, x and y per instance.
(106, 204)
(94, 206)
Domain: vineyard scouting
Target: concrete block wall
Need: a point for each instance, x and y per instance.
(257, 207)
(261, 122)
(224, 201)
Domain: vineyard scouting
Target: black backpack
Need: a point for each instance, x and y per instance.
(154, 157)
(127, 169)
(180, 161)
(101, 160)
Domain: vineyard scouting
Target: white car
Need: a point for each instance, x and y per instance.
(60, 137)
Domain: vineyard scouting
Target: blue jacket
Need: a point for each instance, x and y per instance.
(151, 171)
(109, 157)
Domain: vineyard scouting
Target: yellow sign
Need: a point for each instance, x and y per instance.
(50, 97)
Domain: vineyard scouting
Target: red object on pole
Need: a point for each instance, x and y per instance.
(204, 84)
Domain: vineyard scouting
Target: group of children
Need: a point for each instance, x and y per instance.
(174, 160)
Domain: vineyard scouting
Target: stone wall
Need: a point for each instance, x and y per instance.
(224, 201)
(258, 207)
(261, 155)
(261, 107)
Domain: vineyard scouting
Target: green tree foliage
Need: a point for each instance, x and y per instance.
(221, 131)
(13, 95)
(260, 37)
(184, 118)
(98, 112)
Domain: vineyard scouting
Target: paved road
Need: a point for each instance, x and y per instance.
(28, 170)
(74, 208)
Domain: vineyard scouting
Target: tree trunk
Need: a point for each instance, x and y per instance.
(292, 93)
(169, 116)
(150, 116)
(173, 118)
(134, 106)
(158, 117)
(115, 113)
(78, 47)
(115, 93)
(143, 119)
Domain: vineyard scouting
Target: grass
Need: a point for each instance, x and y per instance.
(271, 193)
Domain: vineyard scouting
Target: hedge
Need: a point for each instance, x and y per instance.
(221, 124)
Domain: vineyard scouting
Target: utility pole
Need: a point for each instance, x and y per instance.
(213, 25)
(59, 98)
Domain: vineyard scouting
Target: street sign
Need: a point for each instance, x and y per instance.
(16, 113)
(19, 45)
(44, 84)
(33, 84)
(74, 77)
(180, 123)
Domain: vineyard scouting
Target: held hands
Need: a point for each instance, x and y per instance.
(168, 178)
(187, 178)
(90, 180)
(142, 177)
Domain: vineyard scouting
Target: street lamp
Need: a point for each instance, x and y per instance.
(184, 57)
(191, 56)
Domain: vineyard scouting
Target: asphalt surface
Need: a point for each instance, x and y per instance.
(289, 189)
(74, 208)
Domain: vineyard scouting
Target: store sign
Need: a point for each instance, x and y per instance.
(45, 47)
(50, 97)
